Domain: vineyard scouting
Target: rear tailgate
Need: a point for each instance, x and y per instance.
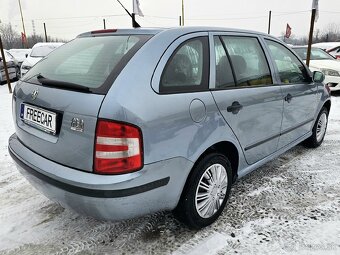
(57, 104)
(68, 146)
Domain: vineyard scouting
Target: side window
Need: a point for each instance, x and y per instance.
(224, 74)
(291, 70)
(187, 69)
(248, 60)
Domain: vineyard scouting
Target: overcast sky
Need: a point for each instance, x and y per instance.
(67, 18)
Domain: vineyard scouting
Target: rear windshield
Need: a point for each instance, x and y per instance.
(91, 62)
(316, 54)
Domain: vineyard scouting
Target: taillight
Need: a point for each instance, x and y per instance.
(103, 31)
(337, 57)
(118, 148)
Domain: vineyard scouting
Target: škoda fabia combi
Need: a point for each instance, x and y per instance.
(120, 123)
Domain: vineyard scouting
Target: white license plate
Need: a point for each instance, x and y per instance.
(39, 118)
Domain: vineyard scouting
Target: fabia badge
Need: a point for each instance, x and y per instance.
(34, 94)
(77, 125)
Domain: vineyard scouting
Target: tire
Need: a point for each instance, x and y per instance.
(190, 209)
(319, 130)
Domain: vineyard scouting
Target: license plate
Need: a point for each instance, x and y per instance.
(39, 118)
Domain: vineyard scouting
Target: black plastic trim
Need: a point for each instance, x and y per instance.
(300, 125)
(91, 192)
(277, 135)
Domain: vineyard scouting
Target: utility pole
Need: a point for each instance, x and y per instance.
(5, 66)
(45, 32)
(180, 20)
(310, 40)
(182, 12)
(269, 21)
(104, 24)
(23, 24)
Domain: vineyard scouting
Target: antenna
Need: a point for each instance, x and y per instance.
(134, 22)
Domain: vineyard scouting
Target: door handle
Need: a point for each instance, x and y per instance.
(234, 108)
(288, 98)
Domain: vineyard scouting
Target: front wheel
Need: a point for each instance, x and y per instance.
(319, 129)
(206, 192)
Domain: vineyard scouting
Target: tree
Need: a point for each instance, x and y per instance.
(12, 39)
(9, 36)
(331, 33)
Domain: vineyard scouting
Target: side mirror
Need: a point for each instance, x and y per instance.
(26, 55)
(318, 76)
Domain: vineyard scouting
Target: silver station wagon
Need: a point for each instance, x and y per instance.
(121, 123)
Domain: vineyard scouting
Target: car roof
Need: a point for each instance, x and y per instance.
(326, 45)
(179, 30)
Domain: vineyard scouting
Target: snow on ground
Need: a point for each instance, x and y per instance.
(289, 206)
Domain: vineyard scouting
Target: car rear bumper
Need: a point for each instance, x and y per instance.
(155, 188)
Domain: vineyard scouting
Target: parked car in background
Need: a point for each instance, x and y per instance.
(326, 45)
(121, 123)
(12, 65)
(335, 52)
(324, 62)
(39, 51)
(20, 54)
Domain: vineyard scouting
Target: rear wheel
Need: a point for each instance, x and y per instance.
(319, 129)
(206, 192)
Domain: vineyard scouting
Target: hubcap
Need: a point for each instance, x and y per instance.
(321, 127)
(211, 190)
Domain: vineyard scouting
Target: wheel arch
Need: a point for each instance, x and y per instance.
(226, 148)
(327, 104)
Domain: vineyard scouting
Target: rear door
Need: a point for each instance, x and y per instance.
(300, 98)
(246, 94)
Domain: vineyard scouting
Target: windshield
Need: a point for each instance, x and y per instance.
(88, 61)
(43, 50)
(316, 54)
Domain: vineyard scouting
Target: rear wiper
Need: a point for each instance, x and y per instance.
(62, 84)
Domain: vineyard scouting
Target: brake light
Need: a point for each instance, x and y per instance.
(103, 31)
(118, 148)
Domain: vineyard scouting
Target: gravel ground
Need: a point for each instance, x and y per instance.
(291, 205)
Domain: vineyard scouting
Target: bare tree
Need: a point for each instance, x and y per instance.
(331, 33)
(12, 39)
(9, 36)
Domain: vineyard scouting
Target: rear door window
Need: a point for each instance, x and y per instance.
(91, 62)
(187, 68)
(248, 60)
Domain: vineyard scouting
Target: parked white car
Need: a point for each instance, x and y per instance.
(332, 48)
(39, 51)
(322, 61)
(335, 52)
(20, 54)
